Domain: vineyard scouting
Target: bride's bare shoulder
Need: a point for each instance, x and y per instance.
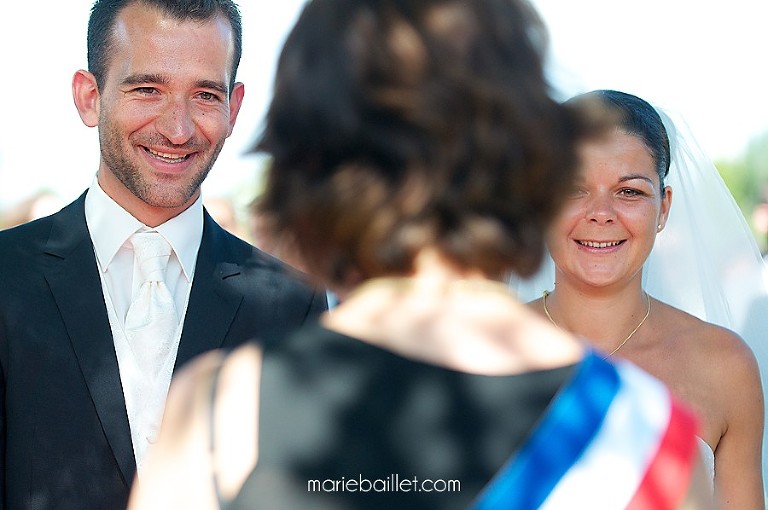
(707, 342)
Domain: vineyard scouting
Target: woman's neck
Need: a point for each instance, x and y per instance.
(606, 317)
(454, 318)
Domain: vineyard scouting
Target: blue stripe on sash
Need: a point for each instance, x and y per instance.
(572, 421)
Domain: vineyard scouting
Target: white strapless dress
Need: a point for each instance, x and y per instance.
(708, 458)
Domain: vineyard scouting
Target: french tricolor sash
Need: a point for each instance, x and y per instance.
(612, 438)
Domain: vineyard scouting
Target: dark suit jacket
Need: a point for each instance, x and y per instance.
(64, 432)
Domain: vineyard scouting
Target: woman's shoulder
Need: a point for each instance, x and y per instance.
(719, 353)
(705, 337)
(207, 410)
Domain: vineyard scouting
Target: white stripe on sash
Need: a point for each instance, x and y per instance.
(615, 462)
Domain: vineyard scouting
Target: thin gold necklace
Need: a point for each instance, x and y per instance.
(647, 313)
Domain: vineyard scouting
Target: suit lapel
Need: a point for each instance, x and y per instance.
(73, 277)
(213, 303)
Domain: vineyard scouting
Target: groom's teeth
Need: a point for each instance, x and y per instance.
(171, 158)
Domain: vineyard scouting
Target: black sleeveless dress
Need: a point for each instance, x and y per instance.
(346, 425)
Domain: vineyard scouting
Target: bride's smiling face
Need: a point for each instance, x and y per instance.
(608, 225)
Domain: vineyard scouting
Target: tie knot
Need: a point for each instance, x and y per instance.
(151, 253)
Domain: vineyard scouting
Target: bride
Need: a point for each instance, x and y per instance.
(604, 286)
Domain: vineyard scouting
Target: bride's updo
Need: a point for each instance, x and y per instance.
(633, 115)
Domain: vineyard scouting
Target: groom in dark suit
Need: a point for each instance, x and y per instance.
(80, 403)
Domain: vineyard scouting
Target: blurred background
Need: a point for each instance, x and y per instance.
(700, 58)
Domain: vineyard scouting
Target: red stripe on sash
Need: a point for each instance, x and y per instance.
(666, 480)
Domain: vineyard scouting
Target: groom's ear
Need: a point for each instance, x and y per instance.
(85, 92)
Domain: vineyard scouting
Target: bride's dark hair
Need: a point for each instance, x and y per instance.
(636, 117)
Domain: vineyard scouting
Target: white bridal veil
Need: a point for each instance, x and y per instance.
(706, 260)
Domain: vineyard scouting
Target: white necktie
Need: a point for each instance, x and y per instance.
(151, 322)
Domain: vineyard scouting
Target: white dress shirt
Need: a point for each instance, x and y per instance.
(110, 226)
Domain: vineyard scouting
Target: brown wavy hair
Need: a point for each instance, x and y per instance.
(401, 124)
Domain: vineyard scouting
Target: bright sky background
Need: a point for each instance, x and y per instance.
(702, 58)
